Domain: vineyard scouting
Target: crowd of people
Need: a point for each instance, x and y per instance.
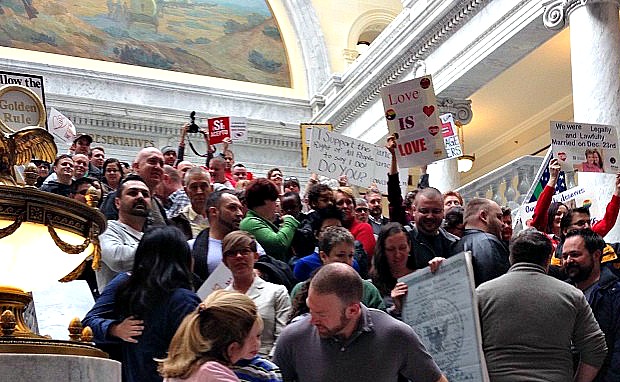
(314, 293)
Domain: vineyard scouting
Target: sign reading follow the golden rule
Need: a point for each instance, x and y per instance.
(413, 117)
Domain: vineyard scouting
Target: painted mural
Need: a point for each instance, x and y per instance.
(234, 39)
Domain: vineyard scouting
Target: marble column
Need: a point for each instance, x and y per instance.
(595, 55)
(444, 175)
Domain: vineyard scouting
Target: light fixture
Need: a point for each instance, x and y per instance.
(464, 162)
(43, 237)
(362, 47)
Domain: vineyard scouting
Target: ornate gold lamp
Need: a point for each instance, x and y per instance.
(43, 237)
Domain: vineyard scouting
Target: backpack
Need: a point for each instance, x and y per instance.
(275, 271)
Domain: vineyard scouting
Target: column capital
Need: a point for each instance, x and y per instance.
(460, 108)
(557, 12)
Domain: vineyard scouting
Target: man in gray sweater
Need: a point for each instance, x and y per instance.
(529, 320)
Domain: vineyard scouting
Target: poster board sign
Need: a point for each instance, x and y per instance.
(442, 309)
(413, 118)
(220, 278)
(219, 129)
(600, 191)
(574, 197)
(332, 155)
(585, 147)
(449, 131)
(61, 127)
(57, 305)
(238, 129)
(305, 130)
(32, 82)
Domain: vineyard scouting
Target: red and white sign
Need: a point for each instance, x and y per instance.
(219, 129)
(413, 117)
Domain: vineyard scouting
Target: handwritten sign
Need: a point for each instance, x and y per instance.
(219, 129)
(450, 136)
(332, 155)
(306, 137)
(413, 118)
(220, 278)
(62, 128)
(585, 147)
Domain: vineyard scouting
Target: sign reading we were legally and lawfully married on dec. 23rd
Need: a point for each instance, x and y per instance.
(585, 147)
(413, 118)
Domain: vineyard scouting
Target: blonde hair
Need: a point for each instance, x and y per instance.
(206, 333)
(237, 239)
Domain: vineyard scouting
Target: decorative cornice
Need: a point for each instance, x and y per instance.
(381, 53)
(460, 108)
(557, 12)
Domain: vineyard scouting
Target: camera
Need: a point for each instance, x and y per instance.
(193, 127)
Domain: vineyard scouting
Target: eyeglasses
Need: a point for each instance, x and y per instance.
(235, 252)
(361, 209)
(291, 179)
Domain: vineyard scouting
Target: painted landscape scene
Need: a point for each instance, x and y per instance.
(233, 39)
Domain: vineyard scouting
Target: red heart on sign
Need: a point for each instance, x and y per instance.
(433, 130)
(428, 110)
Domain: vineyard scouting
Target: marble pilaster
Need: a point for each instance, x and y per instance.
(595, 55)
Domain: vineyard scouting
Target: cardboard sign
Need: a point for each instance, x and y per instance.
(219, 279)
(413, 118)
(61, 127)
(219, 129)
(238, 129)
(585, 147)
(332, 155)
(20, 107)
(450, 135)
(306, 137)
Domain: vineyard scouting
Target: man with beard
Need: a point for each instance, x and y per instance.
(336, 341)
(224, 211)
(428, 238)
(375, 210)
(121, 238)
(581, 258)
(529, 321)
(482, 236)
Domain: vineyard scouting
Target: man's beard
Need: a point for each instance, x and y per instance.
(333, 332)
(578, 273)
(143, 212)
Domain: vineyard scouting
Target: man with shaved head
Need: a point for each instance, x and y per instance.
(428, 238)
(336, 340)
(149, 165)
(482, 236)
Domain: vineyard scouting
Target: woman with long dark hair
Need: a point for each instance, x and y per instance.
(390, 263)
(141, 310)
(112, 175)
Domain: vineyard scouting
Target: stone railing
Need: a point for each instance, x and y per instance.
(509, 184)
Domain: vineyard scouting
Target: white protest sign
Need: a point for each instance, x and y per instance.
(332, 155)
(413, 117)
(61, 127)
(57, 305)
(238, 129)
(585, 147)
(450, 136)
(570, 197)
(220, 278)
(603, 187)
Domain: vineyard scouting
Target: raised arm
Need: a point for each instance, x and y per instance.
(539, 219)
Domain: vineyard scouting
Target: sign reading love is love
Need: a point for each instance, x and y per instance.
(413, 118)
